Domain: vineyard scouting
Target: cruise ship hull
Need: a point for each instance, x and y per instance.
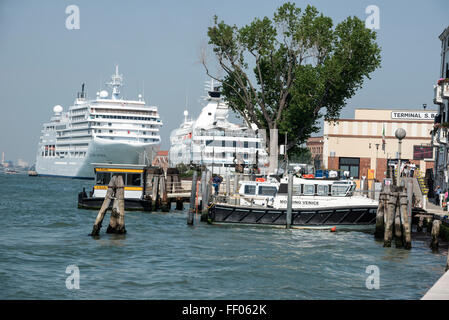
(99, 151)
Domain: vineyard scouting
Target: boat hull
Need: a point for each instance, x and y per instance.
(100, 151)
(130, 204)
(317, 217)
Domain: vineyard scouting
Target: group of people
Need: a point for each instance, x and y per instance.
(407, 169)
(438, 192)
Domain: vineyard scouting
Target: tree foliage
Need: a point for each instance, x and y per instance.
(289, 71)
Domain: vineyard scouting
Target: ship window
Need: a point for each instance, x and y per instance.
(338, 190)
(103, 178)
(250, 189)
(133, 179)
(322, 190)
(245, 144)
(309, 189)
(267, 191)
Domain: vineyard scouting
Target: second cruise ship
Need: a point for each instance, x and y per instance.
(215, 142)
(103, 130)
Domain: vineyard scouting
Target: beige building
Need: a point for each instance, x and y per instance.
(368, 141)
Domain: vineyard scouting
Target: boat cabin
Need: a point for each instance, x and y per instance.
(133, 178)
(315, 187)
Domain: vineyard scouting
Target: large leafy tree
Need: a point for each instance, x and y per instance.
(287, 72)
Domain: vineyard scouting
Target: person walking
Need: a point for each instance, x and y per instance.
(216, 183)
(437, 195)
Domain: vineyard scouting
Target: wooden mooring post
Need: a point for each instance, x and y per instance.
(405, 220)
(289, 201)
(204, 200)
(116, 191)
(393, 217)
(435, 232)
(191, 214)
(389, 219)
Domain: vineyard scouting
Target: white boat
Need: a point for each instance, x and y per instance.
(213, 141)
(105, 130)
(315, 202)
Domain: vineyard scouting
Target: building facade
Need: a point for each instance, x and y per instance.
(366, 145)
(441, 98)
(315, 146)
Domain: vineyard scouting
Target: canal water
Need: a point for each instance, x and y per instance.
(161, 257)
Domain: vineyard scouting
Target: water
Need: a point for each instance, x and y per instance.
(161, 257)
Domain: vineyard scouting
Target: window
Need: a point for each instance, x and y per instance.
(250, 189)
(309, 189)
(352, 165)
(245, 144)
(322, 190)
(133, 179)
(339, 191)
(103, 178)
(267, 191)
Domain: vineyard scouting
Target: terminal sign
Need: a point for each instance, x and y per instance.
(409, 115)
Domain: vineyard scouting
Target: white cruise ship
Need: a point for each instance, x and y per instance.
(104, 130)
(213, 141)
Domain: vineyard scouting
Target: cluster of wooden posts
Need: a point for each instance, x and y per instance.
(393, 219)
(202, 193)
(116, 192)
(163, 189)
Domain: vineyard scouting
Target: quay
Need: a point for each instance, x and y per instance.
(440, 290)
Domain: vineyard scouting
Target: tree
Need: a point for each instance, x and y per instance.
(282, 73)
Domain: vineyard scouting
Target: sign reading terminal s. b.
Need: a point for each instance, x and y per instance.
(410, 115)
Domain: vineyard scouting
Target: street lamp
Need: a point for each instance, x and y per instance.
(400, 134)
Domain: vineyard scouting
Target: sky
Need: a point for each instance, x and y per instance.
(157, 46)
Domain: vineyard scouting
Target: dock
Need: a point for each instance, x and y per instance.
(440, 290)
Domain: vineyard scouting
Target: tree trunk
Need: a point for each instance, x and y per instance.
(273, 151)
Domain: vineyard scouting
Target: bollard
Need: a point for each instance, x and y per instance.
(406, 222)
(289, 200)
(389, 219)
(191, 213)
(380, 225)
(435, 232)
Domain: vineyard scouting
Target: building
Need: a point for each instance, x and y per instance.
(315, 146)
(441, 98)
(161, 160)
(22, 163)
(368, 141)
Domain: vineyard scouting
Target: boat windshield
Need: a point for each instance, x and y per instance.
(340, 190)
(267, 191)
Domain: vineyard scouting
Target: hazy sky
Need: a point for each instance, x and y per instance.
(157, 43)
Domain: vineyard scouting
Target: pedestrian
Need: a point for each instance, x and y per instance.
(437, 195)
(216, 183)
(412, 169)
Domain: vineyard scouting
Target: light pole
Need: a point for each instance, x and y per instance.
(400, 134)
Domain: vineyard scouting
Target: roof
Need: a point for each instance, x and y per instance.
(162, 153)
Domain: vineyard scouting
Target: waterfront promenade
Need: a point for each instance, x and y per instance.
(440, 290)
